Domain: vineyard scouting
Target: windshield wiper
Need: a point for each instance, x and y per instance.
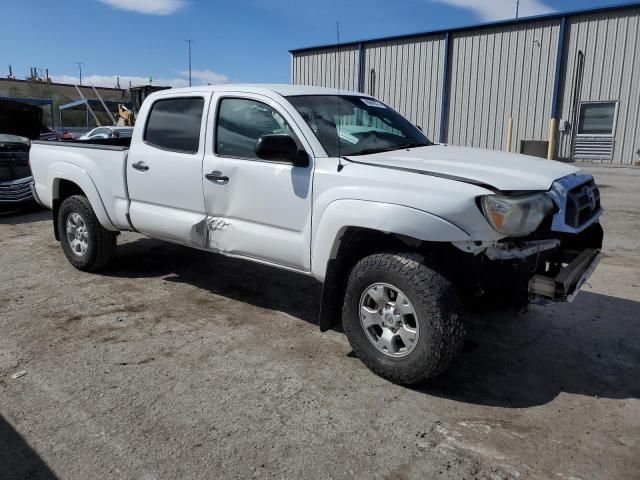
(369, 151)
(412, 145)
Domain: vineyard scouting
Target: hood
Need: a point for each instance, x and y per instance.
(20, 119)
(13, 140)
(500, 170)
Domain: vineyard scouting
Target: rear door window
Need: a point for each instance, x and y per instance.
(174, 124)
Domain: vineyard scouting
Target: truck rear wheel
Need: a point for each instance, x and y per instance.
(87, 245)
(401, 317)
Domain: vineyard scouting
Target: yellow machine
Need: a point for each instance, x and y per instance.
(126, 118)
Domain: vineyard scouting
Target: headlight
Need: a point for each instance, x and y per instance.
(516, 216)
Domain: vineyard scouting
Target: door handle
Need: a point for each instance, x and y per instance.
(216, 176)
(143, 167)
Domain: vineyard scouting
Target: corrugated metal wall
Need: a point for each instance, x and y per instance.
(611, 46)
(329, 67)
(498, 73)
(407, 75)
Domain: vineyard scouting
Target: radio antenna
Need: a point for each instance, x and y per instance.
(338, 74)
(339, 62)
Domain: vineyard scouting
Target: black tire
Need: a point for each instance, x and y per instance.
(101, 248)
(436, 304)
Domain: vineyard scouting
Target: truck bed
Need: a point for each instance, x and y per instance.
(96, 166)
(121, 143)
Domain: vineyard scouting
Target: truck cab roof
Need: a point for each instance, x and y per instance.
(286, 90)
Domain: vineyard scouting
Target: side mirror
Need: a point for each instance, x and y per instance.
(280, 147)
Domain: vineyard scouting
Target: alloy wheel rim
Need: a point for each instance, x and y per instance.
(389, 320)
(77, 234)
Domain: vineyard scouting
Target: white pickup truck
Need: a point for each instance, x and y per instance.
(403, 233)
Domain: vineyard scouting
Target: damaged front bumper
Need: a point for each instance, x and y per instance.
(565, 285)
(547, 267)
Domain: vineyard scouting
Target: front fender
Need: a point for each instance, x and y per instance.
(384, 217)
(68, 171)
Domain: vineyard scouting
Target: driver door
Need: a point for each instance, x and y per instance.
(256, 208)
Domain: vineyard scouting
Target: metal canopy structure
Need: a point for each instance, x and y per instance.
(88, 105)
(38, 102)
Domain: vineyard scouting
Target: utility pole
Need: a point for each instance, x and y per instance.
(189, 42)
(517, 7)
(80, 68)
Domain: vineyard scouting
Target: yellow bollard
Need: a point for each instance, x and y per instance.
(552, 138)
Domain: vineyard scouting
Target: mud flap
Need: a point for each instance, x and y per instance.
(56, 208)
(332, 297)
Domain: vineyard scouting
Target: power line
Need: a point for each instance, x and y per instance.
(189, 42)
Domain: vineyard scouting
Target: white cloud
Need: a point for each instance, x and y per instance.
(149, 7)
(500, 9)
(199, 77)
(206, 77)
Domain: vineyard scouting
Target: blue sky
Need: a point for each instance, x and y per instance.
(235, 40)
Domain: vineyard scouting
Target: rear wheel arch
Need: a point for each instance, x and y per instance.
(61, 190)
(70, 180)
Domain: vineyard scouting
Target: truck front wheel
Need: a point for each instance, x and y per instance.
(401, 317)
(87, 245)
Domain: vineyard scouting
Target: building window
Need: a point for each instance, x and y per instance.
(597, 118)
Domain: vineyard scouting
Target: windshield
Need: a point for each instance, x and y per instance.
(352, 125)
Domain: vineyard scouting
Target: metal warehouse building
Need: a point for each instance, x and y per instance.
(567, 84)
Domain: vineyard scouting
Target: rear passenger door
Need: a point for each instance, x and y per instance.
(164, 169)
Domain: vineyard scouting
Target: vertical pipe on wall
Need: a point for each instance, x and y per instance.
(509, 133)
(445, 89)
(360, 82)
(553, 122)
(553, 128)
(291, 68)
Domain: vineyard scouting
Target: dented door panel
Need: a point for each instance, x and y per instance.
(263, 209)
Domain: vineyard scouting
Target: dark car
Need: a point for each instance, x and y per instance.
(15, 174)
(19, 124)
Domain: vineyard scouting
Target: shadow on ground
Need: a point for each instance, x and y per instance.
(247, 282)
(588, 348)
(17, 459)
(32, 213)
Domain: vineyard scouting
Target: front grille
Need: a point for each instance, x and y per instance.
(15, 191)
(14, 162)
(583, 203)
